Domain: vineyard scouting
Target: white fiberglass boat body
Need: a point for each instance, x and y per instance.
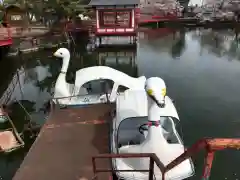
(96, 84)
(144, 123)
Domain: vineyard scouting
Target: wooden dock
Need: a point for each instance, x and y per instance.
(66, 143)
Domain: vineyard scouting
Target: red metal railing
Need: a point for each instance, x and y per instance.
(5, 35)
(210, 145)
(152, 156)
(5, 32)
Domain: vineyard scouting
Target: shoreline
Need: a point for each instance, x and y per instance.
(34, 49)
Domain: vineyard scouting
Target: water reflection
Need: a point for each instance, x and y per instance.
(220, 43)
(29, 85)
(205, 88)
(179, 47)
(167, 40)
(123, 59)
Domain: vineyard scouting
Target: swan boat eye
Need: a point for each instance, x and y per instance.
(150, 92)
(164, 92)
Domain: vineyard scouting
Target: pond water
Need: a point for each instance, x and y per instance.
(201, 69)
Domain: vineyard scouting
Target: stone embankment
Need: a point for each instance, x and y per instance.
(19, 32)
(34, 39)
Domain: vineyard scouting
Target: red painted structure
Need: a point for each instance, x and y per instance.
(114, 18)
(5, 36)
(209, 145)
(149, 19)
(156, 33)
(115, 22)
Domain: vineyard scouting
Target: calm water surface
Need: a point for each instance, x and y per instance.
(201, 70)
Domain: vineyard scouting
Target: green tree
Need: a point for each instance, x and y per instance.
(43, 8)
(64, 7)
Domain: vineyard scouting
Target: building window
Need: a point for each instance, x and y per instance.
(123, 19)
(108, 18)
(120, 18)
(16, 17)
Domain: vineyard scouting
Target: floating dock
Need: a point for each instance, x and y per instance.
(66, 143)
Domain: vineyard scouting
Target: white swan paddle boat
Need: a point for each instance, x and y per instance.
(83, 92)
(144, 123)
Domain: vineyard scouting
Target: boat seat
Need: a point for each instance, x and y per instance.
(166, 134)
(165, 151)
(83, 91)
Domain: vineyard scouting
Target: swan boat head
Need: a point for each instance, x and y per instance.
(156, 90)
(62, 88)
(62, 53)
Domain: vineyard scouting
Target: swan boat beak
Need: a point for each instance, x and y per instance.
(160, 103)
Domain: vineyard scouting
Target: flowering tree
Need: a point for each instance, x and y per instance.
(42, 8)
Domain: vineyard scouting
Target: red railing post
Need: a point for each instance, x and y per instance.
(151, 168)
(201, 144)
(208, 165)
(94, 168)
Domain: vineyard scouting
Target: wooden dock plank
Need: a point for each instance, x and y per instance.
(66, 143)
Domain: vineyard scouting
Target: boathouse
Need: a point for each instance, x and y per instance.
(15, 16)
(115, 18)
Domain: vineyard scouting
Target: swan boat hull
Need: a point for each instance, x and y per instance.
(130, 114)
(94, 85)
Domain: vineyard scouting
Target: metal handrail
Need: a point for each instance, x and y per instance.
(210, 145)
(152, 156)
